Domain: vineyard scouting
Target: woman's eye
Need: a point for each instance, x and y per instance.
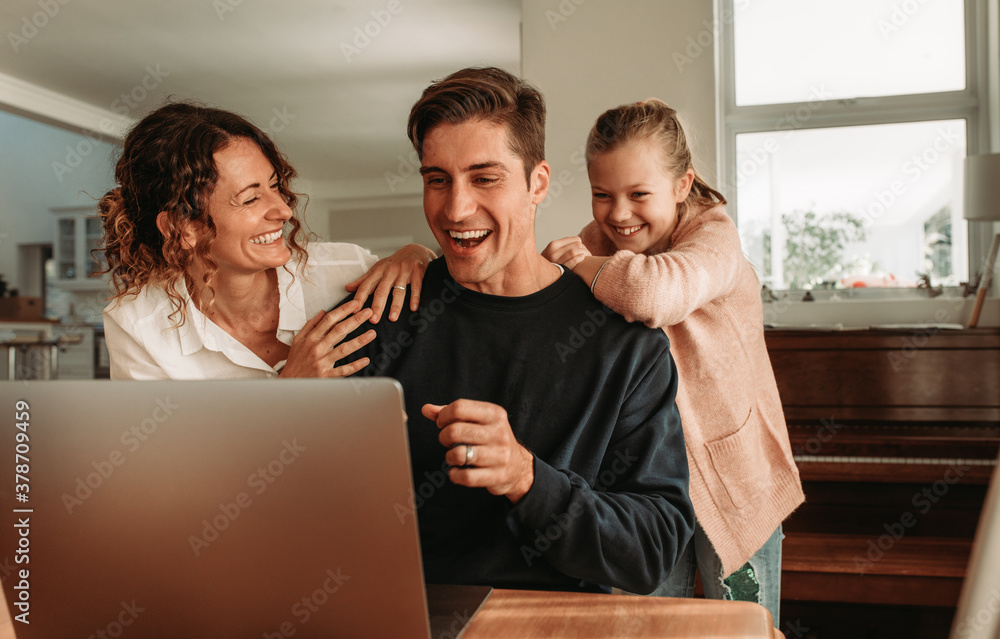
(274, 187)
(251, 200)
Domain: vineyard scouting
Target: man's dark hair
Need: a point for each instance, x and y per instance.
(489, 94)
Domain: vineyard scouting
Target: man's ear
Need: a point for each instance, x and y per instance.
(540, 178)
(188, 230)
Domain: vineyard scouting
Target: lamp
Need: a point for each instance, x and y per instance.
(982, 204)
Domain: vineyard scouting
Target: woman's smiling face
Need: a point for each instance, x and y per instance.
(248, 211)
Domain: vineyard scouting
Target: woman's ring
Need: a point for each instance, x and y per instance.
(468, 454)
(402, 288)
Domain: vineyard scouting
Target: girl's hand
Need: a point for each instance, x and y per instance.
(571, 253)
(318, 346)
(404, 267)
(568, 251)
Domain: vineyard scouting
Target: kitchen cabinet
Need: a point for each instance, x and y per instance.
(78, 232)
(76, 361)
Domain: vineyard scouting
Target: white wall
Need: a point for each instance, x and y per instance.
(993, 91)
(381, 225)
(587, 56)
(30, 185)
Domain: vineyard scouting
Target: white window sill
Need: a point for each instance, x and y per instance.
(845, 314)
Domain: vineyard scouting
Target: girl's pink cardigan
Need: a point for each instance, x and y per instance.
(702, 291)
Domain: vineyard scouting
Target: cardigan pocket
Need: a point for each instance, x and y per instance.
(740, 462)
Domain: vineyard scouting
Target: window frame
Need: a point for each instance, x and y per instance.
(973, 104)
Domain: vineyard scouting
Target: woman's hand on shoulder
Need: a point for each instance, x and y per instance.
(390, 276)
(319, 345)
(569, 251)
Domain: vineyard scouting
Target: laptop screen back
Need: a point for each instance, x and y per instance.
(209, 509)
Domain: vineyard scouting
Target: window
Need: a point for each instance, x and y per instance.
(845, 126)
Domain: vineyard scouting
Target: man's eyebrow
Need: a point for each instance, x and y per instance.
(490, 164)
(487, 165)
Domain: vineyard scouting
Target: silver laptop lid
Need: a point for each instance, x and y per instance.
(209, 509)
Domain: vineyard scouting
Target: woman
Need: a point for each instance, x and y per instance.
(212, 278)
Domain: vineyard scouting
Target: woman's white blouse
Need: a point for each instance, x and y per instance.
(145, 344)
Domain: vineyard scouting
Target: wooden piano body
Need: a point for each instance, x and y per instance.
(896, 435)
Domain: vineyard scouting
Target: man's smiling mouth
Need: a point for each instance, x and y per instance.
(469, 239)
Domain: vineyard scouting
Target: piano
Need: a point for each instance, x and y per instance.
(896, 435)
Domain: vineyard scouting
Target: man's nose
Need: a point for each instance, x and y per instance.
(461, 204)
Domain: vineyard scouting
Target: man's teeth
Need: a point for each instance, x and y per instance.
(266, 238)
(467, 235)
(628, 230)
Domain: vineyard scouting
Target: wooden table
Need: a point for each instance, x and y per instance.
(529, 614)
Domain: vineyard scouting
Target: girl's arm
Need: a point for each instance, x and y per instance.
(404, 268)
(663, 289)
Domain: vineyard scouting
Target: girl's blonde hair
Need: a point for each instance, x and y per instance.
(652, 119)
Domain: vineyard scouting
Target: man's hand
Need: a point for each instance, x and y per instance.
(497, 461)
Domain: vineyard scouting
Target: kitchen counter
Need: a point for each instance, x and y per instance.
(77, 353)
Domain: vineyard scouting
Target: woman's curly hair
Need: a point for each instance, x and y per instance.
(167, 165)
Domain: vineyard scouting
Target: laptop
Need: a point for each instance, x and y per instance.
(264, 508)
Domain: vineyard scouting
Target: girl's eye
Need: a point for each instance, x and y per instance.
(639, 194)
(600, 196)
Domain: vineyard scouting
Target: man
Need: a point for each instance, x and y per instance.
(547, 450)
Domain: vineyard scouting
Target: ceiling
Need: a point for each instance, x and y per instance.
(332, 80)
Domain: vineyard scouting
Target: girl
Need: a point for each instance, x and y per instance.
(661, 250)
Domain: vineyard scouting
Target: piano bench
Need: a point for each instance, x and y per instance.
(880, 569)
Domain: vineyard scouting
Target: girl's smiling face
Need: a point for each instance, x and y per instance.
(634, 198)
